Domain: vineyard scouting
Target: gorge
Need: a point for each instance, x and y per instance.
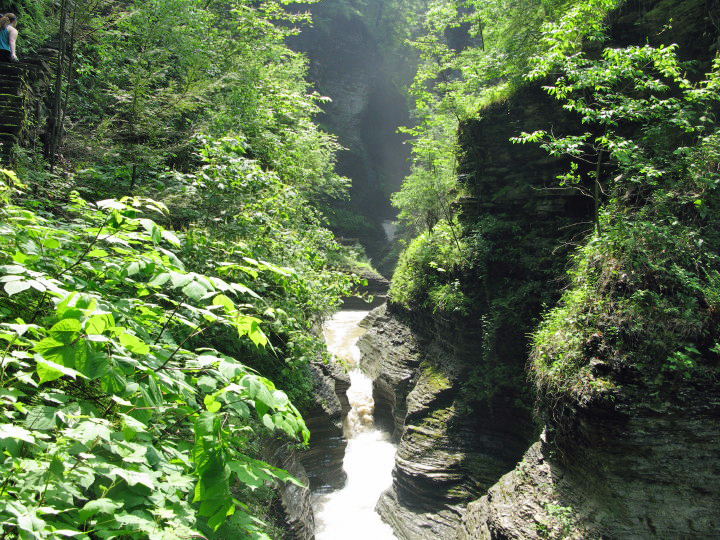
(474, 460)
(188, 227)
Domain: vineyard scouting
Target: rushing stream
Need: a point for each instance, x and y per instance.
(349, 513)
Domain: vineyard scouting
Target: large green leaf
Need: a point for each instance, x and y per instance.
(48, 370)
(15, 287)
(134, 344)
(66, 331)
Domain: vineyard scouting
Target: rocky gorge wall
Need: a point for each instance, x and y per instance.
(646, 468)
(454, 388)
(320, 466)
(451, 386)
(446, 453)
(351, 63)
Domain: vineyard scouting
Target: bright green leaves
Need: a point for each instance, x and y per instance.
(102, 391)
(47, 370)
(212, 405)
(134, 344)
(643, 287)
(65, 352)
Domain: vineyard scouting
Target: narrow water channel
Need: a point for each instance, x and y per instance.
(349, 513)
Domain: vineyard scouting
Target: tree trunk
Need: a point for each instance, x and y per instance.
(57, 112)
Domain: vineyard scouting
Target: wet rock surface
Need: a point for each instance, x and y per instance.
(390, 357)
(294, 504)
(323, 460)
(446, 454)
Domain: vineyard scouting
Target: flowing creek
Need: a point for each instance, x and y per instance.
(349, 513)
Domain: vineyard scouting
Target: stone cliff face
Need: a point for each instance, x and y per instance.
(320, 466)
(641, 464)
(454, 389)
(647, 468)
(446, 455)
(324, 458)
(348, 65)
(293, 507)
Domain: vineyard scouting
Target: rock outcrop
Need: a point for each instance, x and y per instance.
(645, 468)
(639, 462)
(371, 295)
(320, 466)
(445, 455)
(323, 460)
(451, 386)
(454, 390)
(294, 504)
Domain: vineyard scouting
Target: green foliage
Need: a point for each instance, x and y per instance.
(145, 90)
(35, 24)
(644, 292)
(235, 211)
(426, 274)
(471, 54)
(142, 338)
(560, 522)
(427, 192)
(116, 420)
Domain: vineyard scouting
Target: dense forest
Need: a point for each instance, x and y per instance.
(165, 265)
(170, 204)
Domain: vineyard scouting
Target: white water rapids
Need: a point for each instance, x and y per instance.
(349, 513)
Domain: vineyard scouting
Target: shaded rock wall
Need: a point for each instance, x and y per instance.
(24, 103)
(349, 66)
(294, 504)
(643, 464)
(446, 456)
(323, 460)
(320, 466)
(372, 295)
(650, 468)
(452, 387)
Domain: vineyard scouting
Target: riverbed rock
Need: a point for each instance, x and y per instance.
(323, 460)
(445, 456)
(294, 504)
(372, 295)
(390, 357)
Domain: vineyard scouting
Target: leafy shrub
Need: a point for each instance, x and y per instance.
(425, 272)
(117, 421)
(644, 292)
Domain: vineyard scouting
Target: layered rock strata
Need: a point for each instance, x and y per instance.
(445, 455)
(323, 460)
(320, 466)
(648, 467)
(294, 504)
(371, 295)
(643, 462)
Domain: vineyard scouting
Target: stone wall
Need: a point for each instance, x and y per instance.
(447, 453)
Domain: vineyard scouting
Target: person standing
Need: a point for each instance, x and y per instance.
(8, 36)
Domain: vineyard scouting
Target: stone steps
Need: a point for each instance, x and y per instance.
(12, 112)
